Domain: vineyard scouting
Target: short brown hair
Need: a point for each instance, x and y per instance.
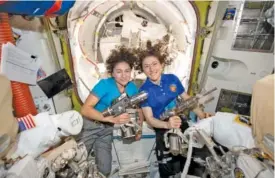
(157, 50)
(120, 54)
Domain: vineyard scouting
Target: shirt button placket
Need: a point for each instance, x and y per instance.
(163, 93)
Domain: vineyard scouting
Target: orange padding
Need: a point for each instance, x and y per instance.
(23, 103)
(55, 8)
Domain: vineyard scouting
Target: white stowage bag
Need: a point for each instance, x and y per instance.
(226, 131)
(47, 133)
(231, 134)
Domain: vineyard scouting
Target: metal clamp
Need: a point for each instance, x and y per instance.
(175, 141)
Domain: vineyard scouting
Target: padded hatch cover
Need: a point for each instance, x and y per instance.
(8, 124)
(262, 110)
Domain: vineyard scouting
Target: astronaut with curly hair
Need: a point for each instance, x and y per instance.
(163, 90)
(97, 130)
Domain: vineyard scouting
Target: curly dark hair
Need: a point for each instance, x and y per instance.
(158, 50)
(120, 54)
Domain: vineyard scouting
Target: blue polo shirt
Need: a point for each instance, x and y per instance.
(106, 91)
(162, 97)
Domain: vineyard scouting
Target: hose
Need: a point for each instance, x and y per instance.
(189, 156)
(23, 103)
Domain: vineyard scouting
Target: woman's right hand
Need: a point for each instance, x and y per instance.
(121, 119)
(174, 122)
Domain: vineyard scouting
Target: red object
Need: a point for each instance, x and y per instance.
(55, 8)
(2, 1)
(23, 103)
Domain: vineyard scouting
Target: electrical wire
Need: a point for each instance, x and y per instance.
(116, 154)
(151, 151)
(189, 156)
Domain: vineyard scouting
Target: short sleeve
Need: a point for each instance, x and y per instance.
(131, 89)
(100, 89)
(145, 102)
(180, 87)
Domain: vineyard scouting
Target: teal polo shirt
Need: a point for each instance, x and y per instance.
(106, 91)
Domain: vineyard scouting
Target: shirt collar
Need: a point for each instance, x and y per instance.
(149, 82)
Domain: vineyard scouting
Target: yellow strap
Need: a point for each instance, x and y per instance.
(237, 120)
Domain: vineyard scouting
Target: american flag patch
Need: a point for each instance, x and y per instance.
(26, 122)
